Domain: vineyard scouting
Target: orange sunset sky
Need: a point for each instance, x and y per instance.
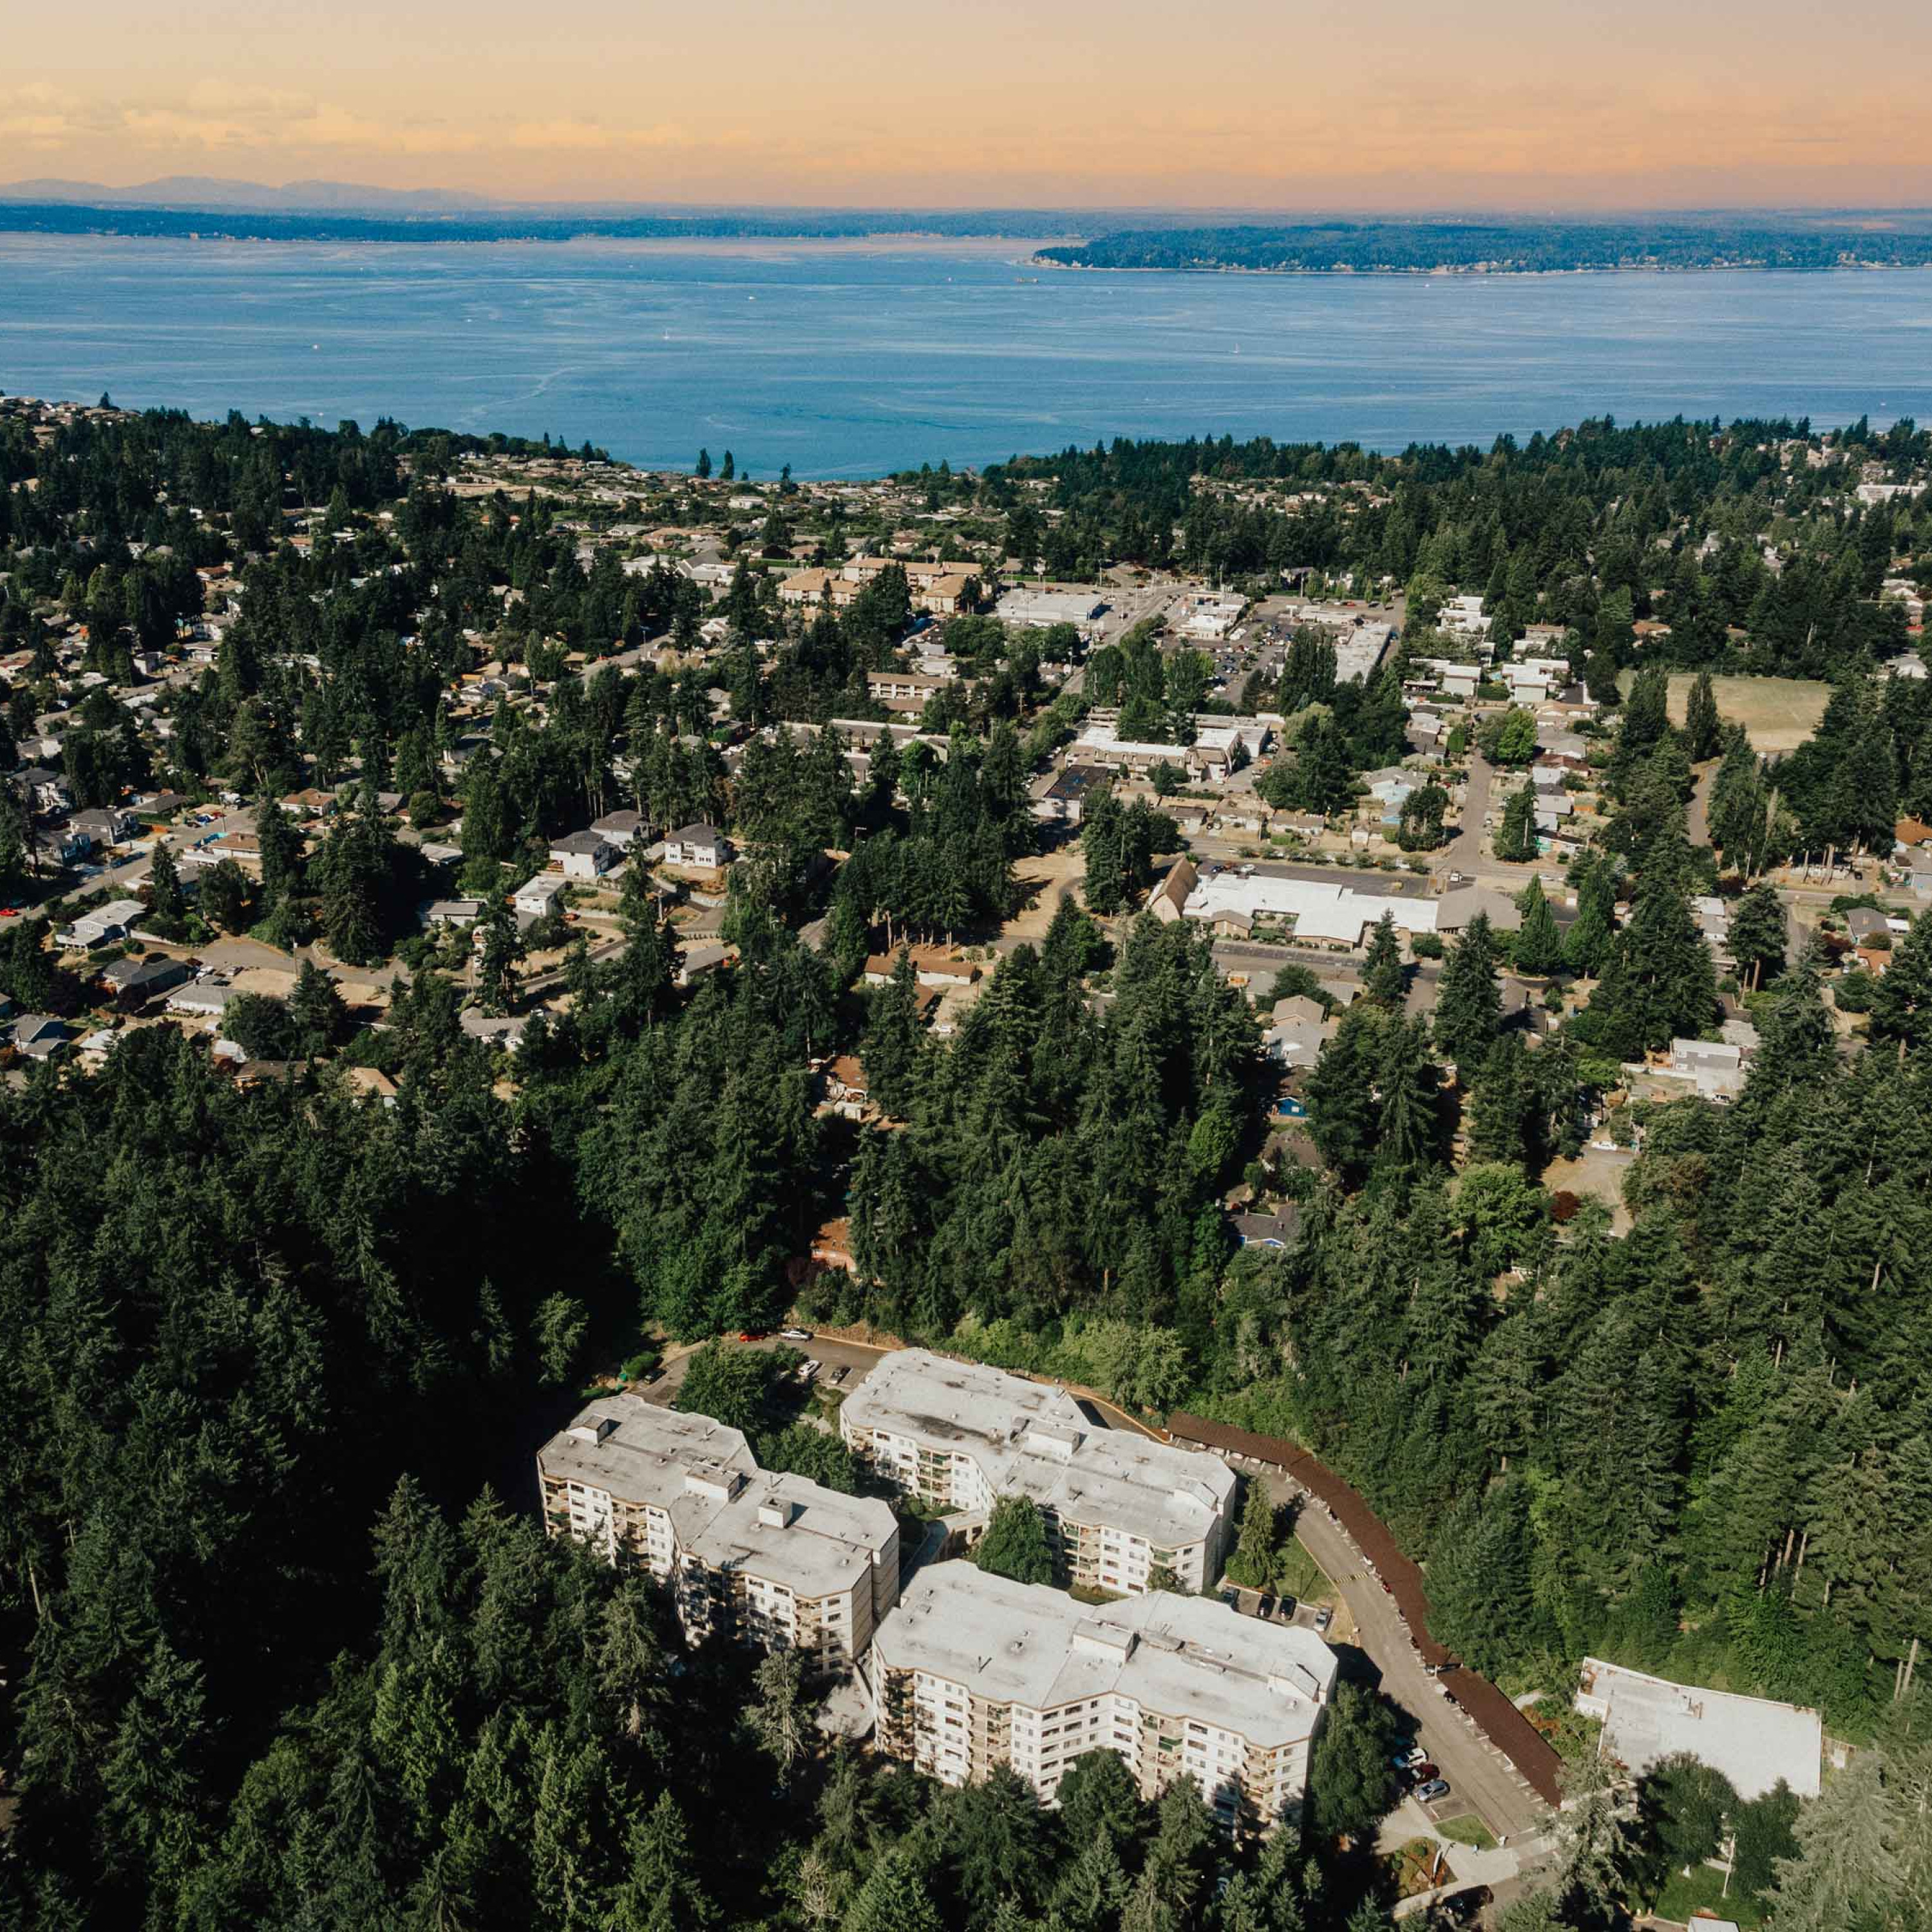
(1299, 104)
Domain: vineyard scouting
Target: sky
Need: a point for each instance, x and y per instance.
(1265, 104)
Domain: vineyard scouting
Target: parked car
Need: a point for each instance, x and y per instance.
(1420, 1774)
(1410, 1758)
(796, 1334)
(753, 1334)
(1323, 1618)
(1286, 1608)
(1232, 1598)
(1265, 1608)
(839, 1374)
(808, 1370)
(1436, 1787)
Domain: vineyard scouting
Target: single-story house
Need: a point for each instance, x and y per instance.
(1461, 904)
(204, 1000)
(453, 912)
(1267, 1231)
(104, 924)
(931, 965)
(39, 1035)
(132, 981)
(1865, 925)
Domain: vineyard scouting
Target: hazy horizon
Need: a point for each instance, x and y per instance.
(850, 103)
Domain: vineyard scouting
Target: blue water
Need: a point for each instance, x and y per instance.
(845, 359)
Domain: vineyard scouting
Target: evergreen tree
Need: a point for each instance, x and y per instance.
(1503, 1107)
(1383, 979)
(1014, 1542)
(1658, 982)
(1254, 1550)
(1901, 1013)
(167, 903)
(1757, 935)
(1539, 946)
(317, 1010)
(1703, 728)
(1468, 1004)
(1516, 840)
(1587, 944)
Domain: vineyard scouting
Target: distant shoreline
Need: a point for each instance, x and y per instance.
(1459, 271)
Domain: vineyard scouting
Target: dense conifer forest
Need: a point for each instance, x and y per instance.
(281, 1644)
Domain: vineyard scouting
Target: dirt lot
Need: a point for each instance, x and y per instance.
(1779, 712)
(1599, 1171)
(1047, 876)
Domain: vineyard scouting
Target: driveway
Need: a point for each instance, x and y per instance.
(1480, 1779)
(1465, 851)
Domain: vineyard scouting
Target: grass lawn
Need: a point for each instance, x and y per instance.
(1470, 1830)
(1779, 712)
(1681, 1897)
(1299, 1574)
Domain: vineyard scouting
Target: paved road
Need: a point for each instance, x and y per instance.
(1479, 1778)
(1465, 851)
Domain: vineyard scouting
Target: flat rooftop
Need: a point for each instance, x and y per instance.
(1032, 1439)
(1320, 910)
(1182, 1656)
(704, 1478)
(1753, 1741)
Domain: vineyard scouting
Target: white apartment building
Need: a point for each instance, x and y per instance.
(971, 1671)
(775, 1560)
(1120, 1506)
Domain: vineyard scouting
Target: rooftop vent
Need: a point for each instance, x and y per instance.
(592, 1429)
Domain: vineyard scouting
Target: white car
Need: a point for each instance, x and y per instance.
(796, 1334)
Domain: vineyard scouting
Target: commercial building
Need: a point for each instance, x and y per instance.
(1119, 1506)
(972, 1671)
(1755, 1742)
(1329, 912)
(1041, 610)
(773, 1560)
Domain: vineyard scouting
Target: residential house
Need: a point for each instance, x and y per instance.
(540, 895)
(107, 825)
(40, 1036)
(699, 847)
(452, 913)
(42, 790)
(931, 965)
(583, 855)
(620, 829)
(134, 981)
(103, 925)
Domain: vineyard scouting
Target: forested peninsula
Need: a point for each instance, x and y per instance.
(1506, 247)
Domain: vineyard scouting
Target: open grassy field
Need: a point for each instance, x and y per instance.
(1779, 712)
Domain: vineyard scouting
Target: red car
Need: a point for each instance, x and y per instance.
(753, 1334)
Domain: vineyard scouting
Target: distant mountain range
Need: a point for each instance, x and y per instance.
(213, 191)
